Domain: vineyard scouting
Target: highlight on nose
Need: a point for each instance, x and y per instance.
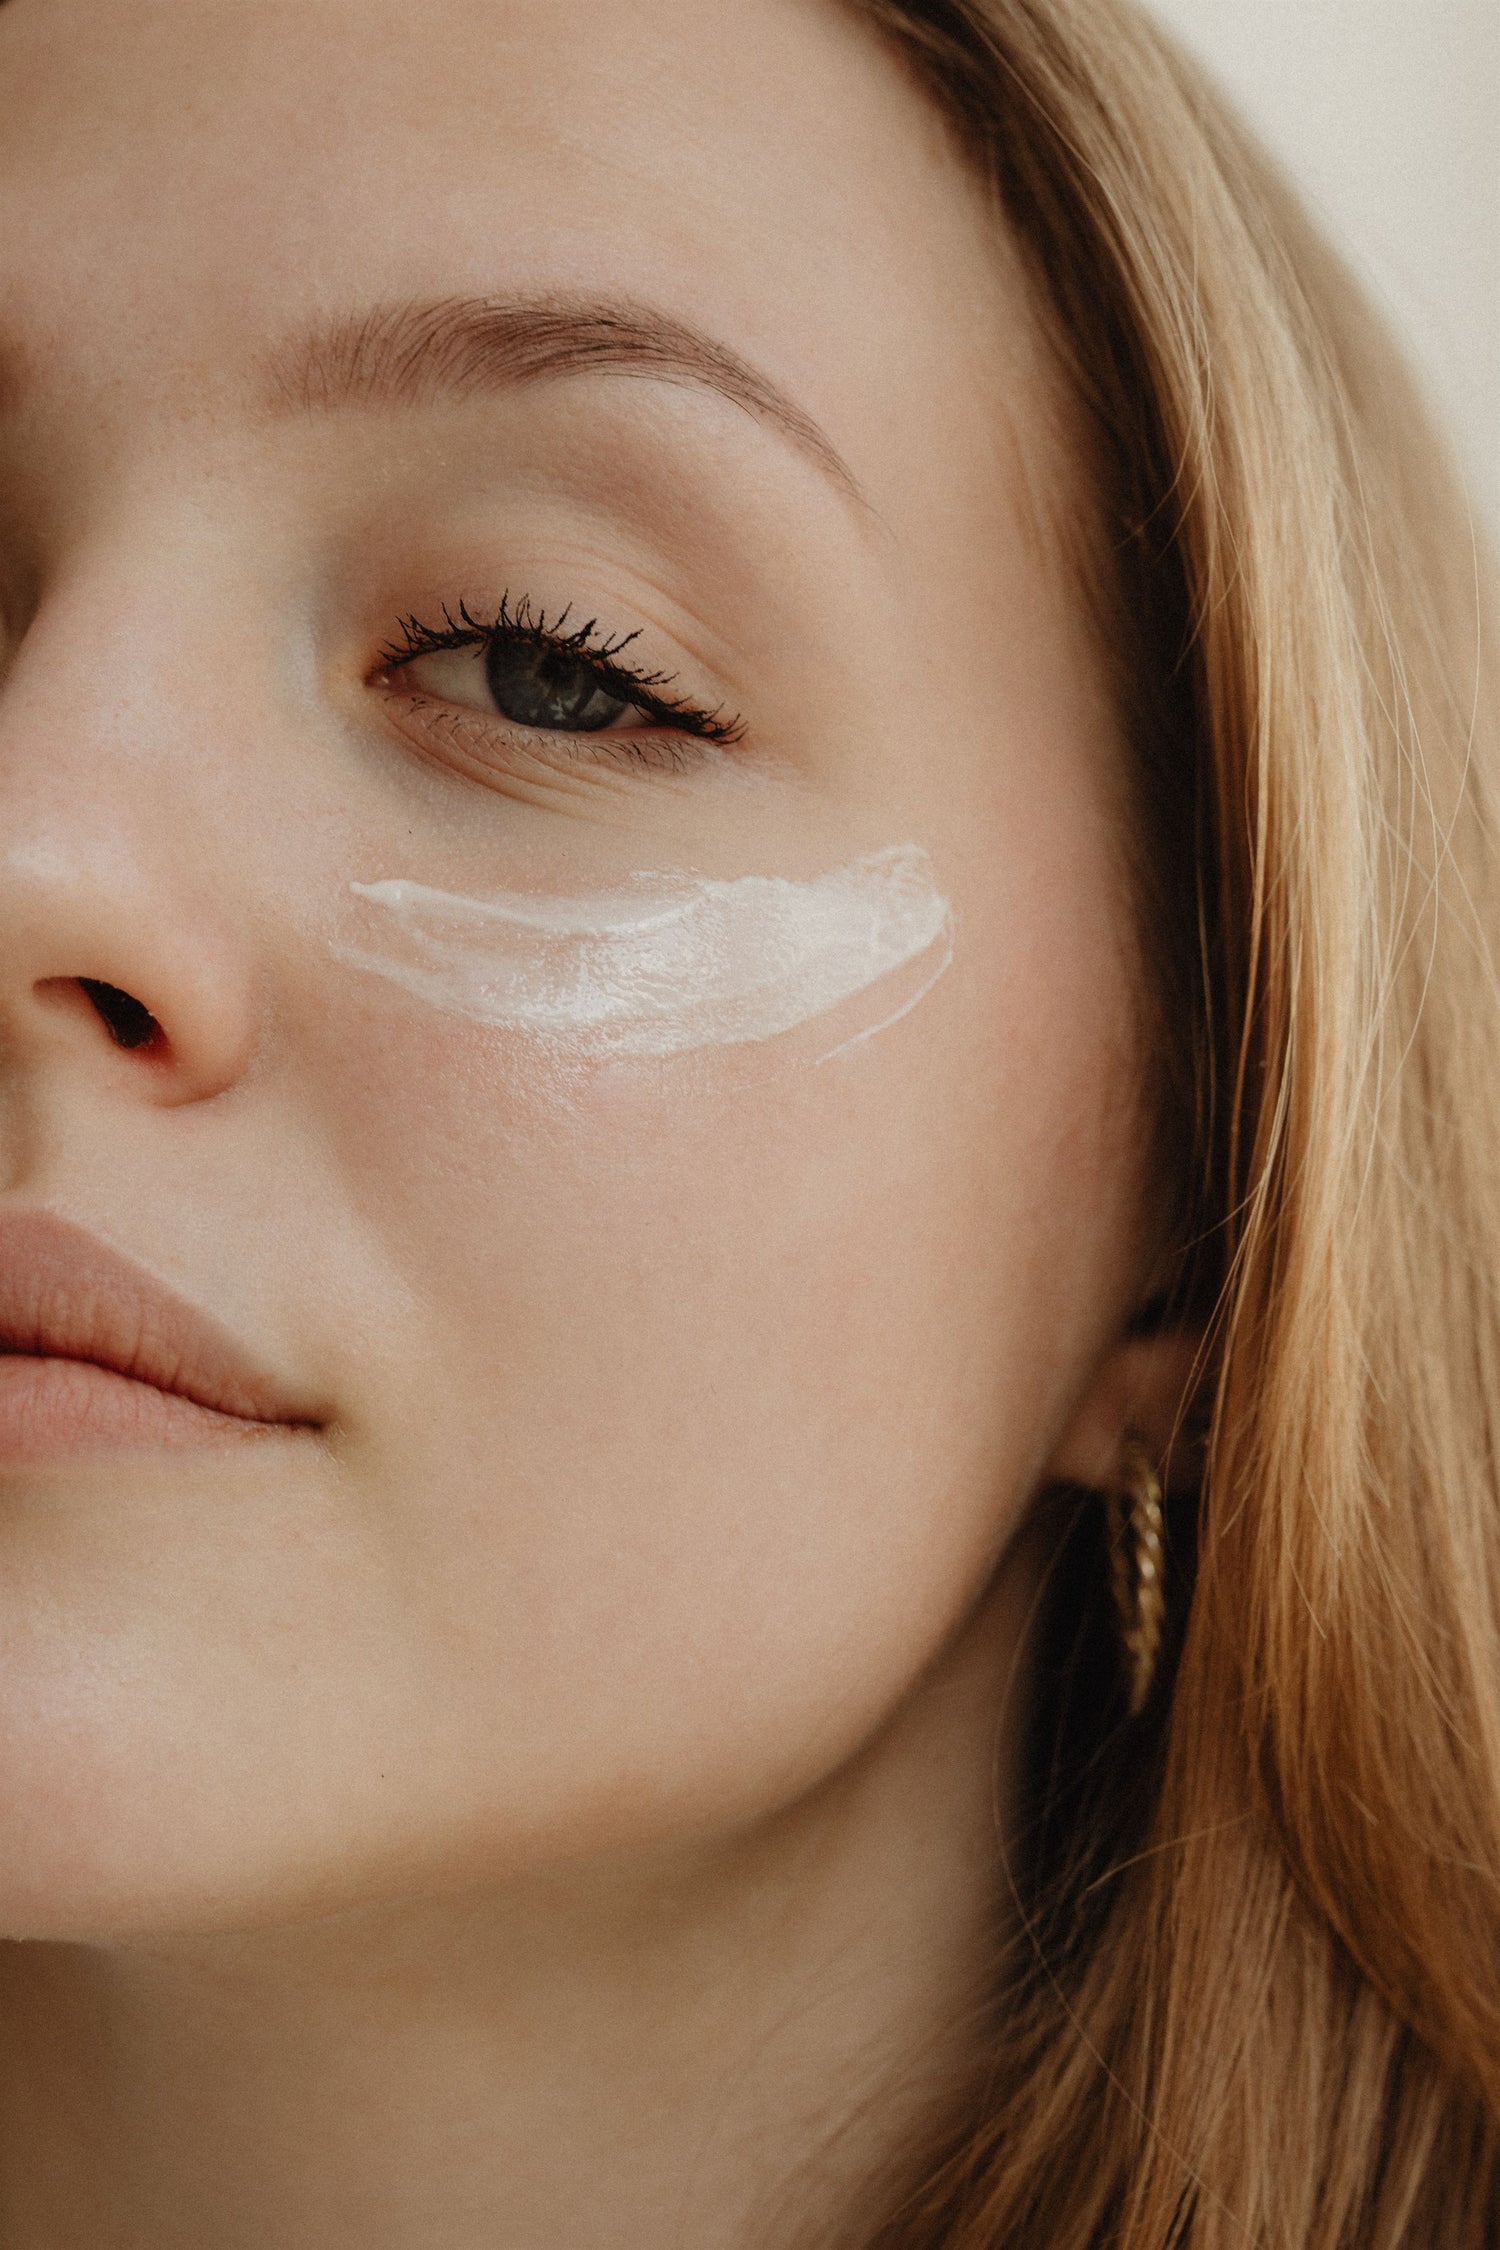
(129, 1024)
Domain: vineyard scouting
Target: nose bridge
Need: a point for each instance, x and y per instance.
(113, 876)
(97, 779)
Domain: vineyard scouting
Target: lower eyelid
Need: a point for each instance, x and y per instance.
(482, 740)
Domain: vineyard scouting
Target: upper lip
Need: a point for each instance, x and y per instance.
(64, 1294)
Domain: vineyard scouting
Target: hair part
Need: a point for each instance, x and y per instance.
(1255, 2000)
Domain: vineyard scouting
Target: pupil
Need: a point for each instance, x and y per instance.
(543, 687)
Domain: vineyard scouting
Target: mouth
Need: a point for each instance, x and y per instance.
(97, 1355)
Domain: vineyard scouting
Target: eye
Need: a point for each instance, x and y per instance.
(555, 690)
(534, 672)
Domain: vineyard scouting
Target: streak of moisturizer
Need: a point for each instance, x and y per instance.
(668, 964)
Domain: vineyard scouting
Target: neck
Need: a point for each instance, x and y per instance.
(713, 2051)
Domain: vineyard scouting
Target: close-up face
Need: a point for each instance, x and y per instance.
(562, 910)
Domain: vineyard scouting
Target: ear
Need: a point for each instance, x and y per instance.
(1140, 1389)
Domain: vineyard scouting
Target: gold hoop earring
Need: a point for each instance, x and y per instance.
(1136, 1563)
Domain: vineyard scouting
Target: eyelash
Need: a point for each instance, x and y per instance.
(520, 625)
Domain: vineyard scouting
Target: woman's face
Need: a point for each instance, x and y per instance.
(650, 1370)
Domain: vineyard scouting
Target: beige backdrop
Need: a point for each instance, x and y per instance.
(1388, 111)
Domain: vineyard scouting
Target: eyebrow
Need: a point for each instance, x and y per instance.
(406, 356)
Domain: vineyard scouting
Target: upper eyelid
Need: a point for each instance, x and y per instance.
(467, 631)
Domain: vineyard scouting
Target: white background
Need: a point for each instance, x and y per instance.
(1388, 113)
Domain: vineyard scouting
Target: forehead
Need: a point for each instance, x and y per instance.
(181, 178)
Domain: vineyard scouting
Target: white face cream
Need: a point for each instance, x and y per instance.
(667, 963)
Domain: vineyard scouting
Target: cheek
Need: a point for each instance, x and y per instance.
(641, 1258)
(709, 1384)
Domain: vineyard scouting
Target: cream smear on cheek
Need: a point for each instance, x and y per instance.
(667, 964)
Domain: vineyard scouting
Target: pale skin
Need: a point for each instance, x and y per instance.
(559, 1799)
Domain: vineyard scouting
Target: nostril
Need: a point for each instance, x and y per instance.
(128, 1023)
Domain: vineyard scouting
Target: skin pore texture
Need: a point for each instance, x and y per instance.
(549, 1787)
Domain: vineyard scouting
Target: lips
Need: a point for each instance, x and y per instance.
(95, 1351)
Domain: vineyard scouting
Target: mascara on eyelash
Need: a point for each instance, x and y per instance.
(523, 625)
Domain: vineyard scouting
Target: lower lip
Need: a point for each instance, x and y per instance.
(59, 1409)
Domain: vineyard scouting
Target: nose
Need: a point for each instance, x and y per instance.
(102, 956)
(116, 947)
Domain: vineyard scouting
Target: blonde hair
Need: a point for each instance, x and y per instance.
(1261, 1996)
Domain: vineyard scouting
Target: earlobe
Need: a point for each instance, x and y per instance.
(1139, 1392)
